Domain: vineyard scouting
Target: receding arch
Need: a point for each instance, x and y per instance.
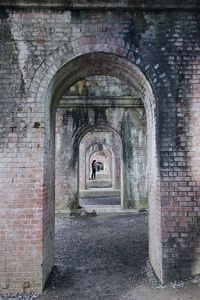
(98, 127)
(68, 69)
(89, 144)
(90, 155)
(105, 157)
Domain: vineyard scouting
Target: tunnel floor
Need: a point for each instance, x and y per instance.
(100, 201)
(105, 257)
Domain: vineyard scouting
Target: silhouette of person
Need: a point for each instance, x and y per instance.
(94, 169)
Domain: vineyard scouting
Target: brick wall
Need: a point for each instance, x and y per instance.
(44, 52)
(129, 148)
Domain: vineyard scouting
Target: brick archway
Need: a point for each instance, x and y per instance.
(102, 127)
(61, 70)
(44, 51)
(88, 146)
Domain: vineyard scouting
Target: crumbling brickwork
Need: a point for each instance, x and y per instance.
(44, 51)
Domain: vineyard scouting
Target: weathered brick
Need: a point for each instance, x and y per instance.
(34, 47)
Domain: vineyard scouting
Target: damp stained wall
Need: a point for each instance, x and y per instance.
(129, 124)
(160, 41)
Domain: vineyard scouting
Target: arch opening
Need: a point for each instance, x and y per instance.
(100, 187)
(98, 64)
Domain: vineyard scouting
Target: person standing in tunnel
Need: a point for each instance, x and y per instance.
(93, 169)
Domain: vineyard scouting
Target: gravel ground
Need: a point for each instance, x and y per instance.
(105, 257)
